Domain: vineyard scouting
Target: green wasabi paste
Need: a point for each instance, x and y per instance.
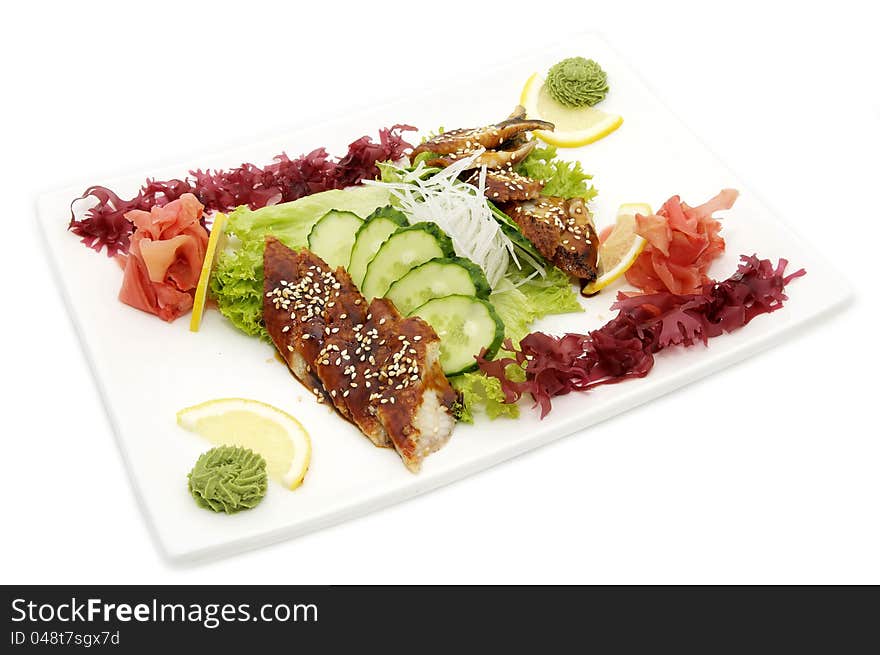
(228, 479)
(577, 82)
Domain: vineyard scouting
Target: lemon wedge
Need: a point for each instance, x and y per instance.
(274, 434)
(619, 251)
(575, 127)
(201, 296)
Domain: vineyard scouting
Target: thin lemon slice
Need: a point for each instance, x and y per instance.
(201, 297)
(619, 251)
(574, 127)
(274, 434)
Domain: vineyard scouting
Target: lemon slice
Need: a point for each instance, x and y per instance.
(619, 251)
(575, 127)
(207, 266)
(276, 435)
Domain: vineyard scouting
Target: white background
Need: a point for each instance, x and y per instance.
(764, 473)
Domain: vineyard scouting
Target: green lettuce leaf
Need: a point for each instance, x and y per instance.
(478, 391)
(237, 281)
(291, 222)
(520, 303)
(237, 286)
(561, 178)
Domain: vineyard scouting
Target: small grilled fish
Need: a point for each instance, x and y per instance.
(488, 137)
(562, 230)
(493, 159)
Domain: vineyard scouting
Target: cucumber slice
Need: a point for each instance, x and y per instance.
(438, 278)
(332, 237)
(377, 227)
(465, 326)
(405, 249)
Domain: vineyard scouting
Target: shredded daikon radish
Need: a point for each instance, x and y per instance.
(459, 209)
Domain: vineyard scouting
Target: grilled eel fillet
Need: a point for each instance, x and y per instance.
(301, 307)
(490, 137)
(379, 370)
(494, 159)
(506, 185)
(562, 230)
(504, 144)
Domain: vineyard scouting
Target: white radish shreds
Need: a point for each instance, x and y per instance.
(459, 209)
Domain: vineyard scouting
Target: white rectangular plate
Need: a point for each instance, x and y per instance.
(147, 370)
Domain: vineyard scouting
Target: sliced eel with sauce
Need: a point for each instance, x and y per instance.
(492, 159)
(488, 137)
(392, 377)
(562, 230)
(506, 185)
(381, 371)
(303, 303)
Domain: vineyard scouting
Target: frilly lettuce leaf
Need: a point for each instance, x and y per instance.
(478, 391)
(561, 178)
(237, 286)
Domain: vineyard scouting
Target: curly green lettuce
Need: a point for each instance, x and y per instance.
(237, 286)
(478, 391)
(237, 281)
(561, 178)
